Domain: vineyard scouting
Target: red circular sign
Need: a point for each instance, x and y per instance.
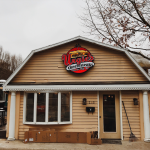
(78, 60)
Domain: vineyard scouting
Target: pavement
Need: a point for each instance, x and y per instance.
(19, 145)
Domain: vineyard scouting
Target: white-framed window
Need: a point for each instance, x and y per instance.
(47, 108)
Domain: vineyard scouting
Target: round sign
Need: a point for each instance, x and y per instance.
(78, 60)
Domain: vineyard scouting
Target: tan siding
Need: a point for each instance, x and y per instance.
(110, 65)
(17, 114)
(141, 115)
(133, 112)
(81, 120)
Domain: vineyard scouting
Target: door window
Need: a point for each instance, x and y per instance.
(109, 115)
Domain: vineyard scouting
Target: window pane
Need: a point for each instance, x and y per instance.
(53, 107)
(41, 100)
(65, 107)
(109, 113)
(29, 107)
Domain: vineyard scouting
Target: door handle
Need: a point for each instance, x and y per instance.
(99, 116)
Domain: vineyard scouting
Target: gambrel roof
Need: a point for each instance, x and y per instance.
(70, 40)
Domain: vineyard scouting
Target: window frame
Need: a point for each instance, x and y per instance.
(46, 109)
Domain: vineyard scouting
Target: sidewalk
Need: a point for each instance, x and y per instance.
(19, 145)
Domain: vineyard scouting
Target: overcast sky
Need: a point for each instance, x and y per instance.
(26, 25)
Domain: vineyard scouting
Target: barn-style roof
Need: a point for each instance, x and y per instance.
(70, 40)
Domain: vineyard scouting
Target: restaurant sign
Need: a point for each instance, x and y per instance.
(78, 59)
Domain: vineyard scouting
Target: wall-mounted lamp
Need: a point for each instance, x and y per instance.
(135, 100)
(84, 101)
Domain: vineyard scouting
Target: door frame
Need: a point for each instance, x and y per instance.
(120, 104)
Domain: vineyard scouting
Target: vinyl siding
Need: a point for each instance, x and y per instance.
(110, 65)
(133, 112)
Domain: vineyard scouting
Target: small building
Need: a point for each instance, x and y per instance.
(79, 85)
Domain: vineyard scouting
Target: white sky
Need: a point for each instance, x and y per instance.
(26, 25)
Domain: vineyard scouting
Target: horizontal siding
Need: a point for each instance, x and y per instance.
(133, 112)
(110, 65)
(80, 123)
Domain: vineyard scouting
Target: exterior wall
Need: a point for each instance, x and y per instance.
(133, 112)
(17, 114)
(81, 120)
(141, 115)
(47, 66)
(110, 66)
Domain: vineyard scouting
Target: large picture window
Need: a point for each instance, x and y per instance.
(47, 108)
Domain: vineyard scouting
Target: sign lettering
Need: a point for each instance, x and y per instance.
(78, 60)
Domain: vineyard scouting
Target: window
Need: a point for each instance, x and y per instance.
(53, 107)
(65, 107)
(41, 100)
(29, 107)
(47, 108)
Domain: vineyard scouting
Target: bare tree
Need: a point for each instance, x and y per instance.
(8, 63)
(123, 23)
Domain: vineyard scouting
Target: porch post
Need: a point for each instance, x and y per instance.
(12, 117)
(146, 116)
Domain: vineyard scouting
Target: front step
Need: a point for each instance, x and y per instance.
(111, 141)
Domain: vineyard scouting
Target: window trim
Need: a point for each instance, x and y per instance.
(46, 109)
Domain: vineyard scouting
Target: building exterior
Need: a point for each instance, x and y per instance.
(78, 85)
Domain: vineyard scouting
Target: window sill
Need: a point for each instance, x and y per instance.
(46, 123)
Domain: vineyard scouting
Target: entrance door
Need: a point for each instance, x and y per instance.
(109, 113)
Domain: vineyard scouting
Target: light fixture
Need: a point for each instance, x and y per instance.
(84, 101)
(135, 100)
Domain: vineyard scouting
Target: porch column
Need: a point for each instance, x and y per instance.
(12, 117)
(146, 116)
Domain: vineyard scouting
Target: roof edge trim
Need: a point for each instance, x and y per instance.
(77, 87)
